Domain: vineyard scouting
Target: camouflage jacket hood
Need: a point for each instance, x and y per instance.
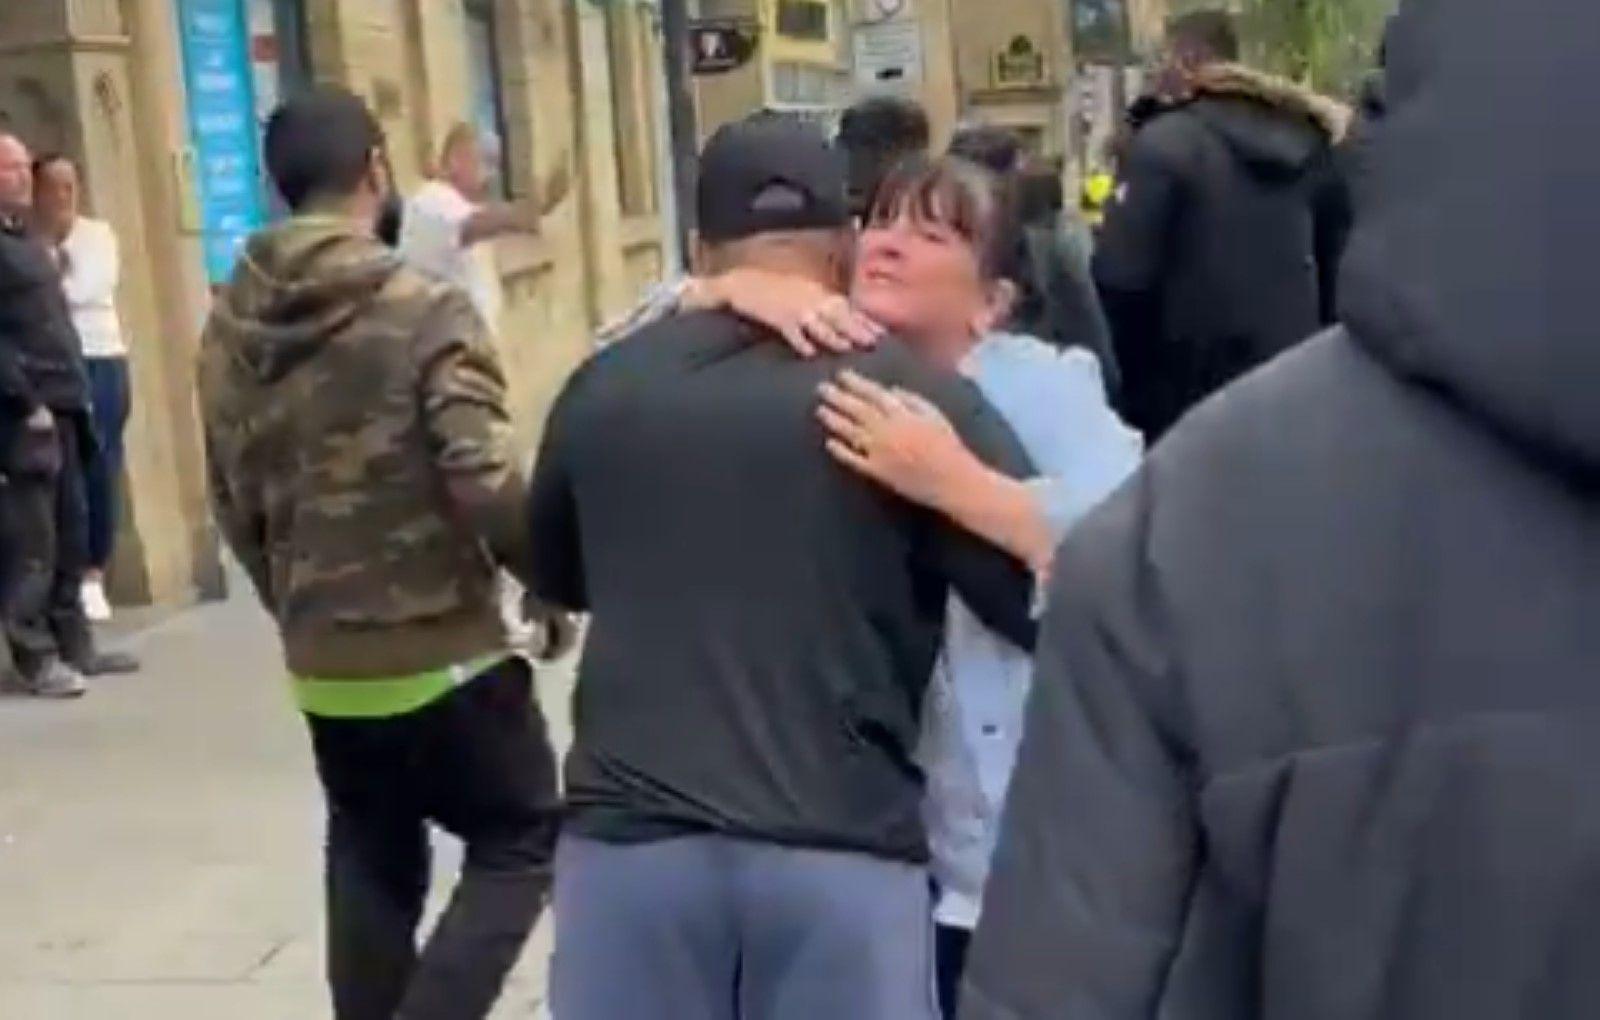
(296, 285)
(360, 454)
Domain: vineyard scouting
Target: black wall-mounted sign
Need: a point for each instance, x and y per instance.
(1019, 64)
(718, 45)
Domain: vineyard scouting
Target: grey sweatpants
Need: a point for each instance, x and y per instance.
(709, 928)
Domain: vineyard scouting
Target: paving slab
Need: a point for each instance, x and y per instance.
(160, 839)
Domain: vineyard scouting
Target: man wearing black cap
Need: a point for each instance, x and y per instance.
(744, 834)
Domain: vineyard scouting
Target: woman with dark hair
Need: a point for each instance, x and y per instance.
(87, 255)
(1048, 250)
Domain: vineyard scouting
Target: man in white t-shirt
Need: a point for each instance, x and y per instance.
(448, 217)
(440, 228)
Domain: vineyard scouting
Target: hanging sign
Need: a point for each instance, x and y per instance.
(222, 127)
(719, 45)
(1019, 64)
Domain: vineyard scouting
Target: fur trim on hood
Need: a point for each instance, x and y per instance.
(1329, 115)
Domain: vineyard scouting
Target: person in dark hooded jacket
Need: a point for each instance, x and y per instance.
(1314, 734)
(1208, 262)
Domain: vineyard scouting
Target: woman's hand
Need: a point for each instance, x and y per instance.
(902, 442)
(895, 438)
(810, 317)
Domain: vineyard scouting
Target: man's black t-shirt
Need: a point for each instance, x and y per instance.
(764, 622)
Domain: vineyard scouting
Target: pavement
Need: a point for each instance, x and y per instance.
(160, 839)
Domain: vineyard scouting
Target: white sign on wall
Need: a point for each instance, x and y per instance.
(888, 54)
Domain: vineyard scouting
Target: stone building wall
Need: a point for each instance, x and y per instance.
(103, 81)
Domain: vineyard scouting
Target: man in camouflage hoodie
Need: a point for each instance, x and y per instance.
(362, 470)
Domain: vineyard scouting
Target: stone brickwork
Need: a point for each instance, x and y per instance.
(102, 80)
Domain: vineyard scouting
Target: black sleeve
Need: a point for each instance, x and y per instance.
(998, 588)
(1133, 247)
(1333, 217)
(1090, 890)
(1129, 263)
(1072, 293)
(557, 550)
(17, 394)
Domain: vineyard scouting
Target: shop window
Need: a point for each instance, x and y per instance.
(632, 56)
(485, 68)
(280, 62)
(803, 19)
(804, 86)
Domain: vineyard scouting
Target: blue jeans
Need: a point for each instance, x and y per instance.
(110, 394)
(711, 928)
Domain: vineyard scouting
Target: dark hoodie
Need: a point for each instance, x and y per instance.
(1210, 262)
(1315, 732)
(361, 454)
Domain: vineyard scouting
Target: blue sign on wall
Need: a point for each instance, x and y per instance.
(222, 126)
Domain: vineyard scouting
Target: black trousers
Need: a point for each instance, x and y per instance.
(950, 965)
(111, 393)
(44, 549)
(477, 763)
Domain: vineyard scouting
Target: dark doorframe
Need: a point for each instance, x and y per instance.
(294, 46)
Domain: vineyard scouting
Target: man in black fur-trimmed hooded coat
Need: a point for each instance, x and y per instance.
(1223, 234)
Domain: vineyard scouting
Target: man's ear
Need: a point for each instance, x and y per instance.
(378, 176)
(1000, 298)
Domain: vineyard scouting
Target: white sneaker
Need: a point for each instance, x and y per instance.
(59, 681)
(95, 604)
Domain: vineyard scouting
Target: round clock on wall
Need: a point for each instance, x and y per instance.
(884, 10)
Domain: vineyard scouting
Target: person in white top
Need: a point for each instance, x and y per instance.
(85, 250)
(441, 227)
(449, 216)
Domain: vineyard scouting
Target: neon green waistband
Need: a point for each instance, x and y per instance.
(385, 697)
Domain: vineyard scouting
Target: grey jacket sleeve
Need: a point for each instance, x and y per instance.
(1089, 893)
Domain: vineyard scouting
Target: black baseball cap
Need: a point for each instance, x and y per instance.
(770, 172)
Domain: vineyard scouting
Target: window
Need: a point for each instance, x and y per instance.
(488, 100)
(633, 57)
(803, 19)
(294, 47)
(280, 64)
(280, 57)
(804, 86)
